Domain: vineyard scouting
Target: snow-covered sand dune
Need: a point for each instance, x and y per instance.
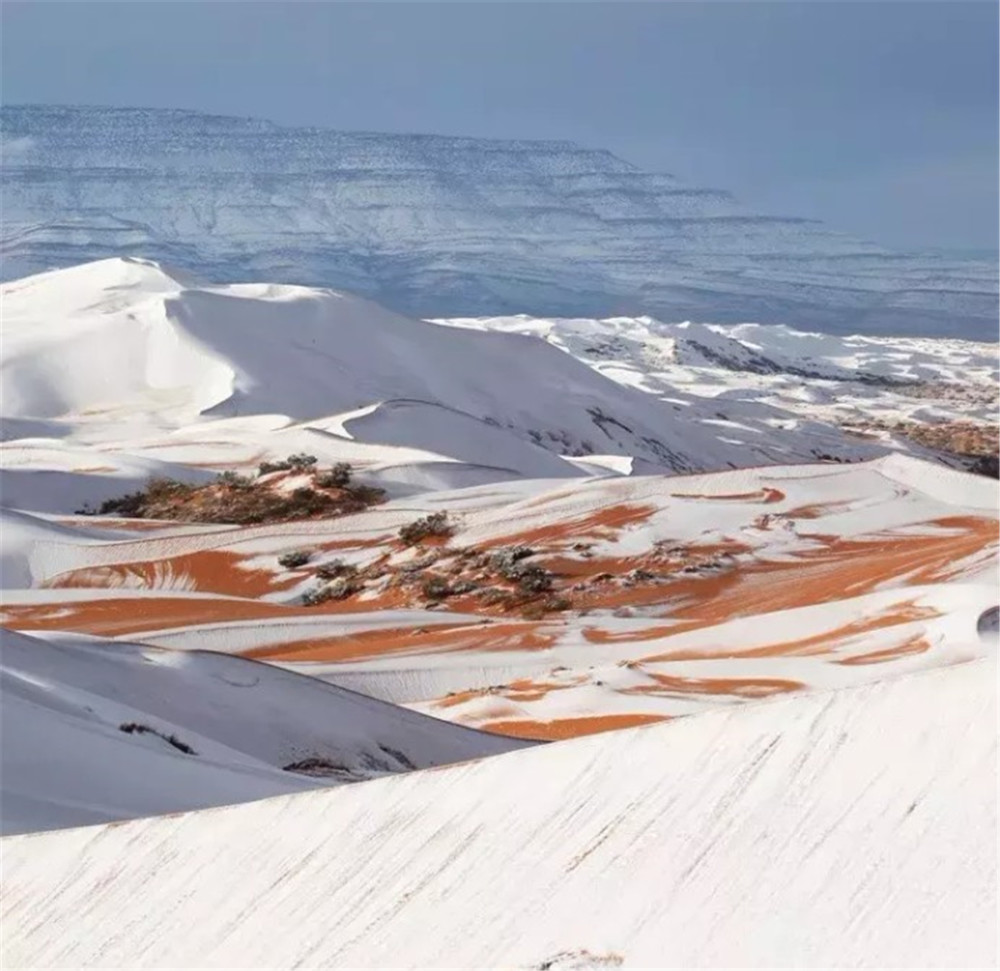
(96, 731)
(670, 595)
(131, 345)
(854, 828)
(774, 376)
(123, 368)
(579, 589)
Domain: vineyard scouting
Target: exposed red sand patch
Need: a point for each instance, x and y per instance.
(840, 568)
(521, 690)
(205, 571)
(822, 643)
(815, 510)
(112, 617)
(563, 728)
(766, 495)
(740, 687)
(601, 524)
(914, 645)
(441, 638)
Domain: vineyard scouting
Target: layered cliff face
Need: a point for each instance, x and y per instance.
(448, 226)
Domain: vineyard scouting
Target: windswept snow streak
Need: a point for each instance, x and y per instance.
(854, 828)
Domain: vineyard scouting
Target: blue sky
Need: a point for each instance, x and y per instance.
(878, 117)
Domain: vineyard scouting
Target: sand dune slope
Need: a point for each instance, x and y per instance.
(849, 828)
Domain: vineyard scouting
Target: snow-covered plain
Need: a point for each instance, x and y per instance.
(854, 828)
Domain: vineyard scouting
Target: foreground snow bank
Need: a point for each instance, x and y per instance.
(849, 828)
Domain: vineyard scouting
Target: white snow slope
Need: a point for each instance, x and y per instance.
(121, 369)
(66, 761)
(753, 378)
(129, 343)
(855, 828)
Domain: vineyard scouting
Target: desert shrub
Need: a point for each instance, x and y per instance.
(436, 524)
(131, 505)
(295, 559)
(316, 596)
(334, 569)
(133, 728)
(533, 579)
(338, 477)
(159, 490)
(337, 590)
(233, 480)
(308, 502)
(344, 587)
(504, 560)
(436, 588)
(366, 495)
(297, 462)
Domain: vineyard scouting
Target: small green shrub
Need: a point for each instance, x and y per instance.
(436, 524)
(233, 480)
(436, 588)
(338, 477)
(295, 559)
(334, 569)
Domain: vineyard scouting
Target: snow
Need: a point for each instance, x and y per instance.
(714, 514)
(854, 828)
(785, 386)
(66, 761)
(121, 369)
(144, 353)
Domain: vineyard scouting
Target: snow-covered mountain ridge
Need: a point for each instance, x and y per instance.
(437, 226)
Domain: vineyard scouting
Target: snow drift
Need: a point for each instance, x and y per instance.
(127, 341)
(848, 829)
(206, 730)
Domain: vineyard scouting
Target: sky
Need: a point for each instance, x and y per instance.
(878, 117)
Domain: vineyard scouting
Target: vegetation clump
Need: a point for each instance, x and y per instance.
(134, 728)
(436, 588)
(338, 477)
(334, 569)
(434, 525)
(299, 462)
(339, 589)
(238, 499)
(295, 559)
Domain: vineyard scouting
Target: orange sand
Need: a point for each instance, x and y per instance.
(668, 685)
(563, 728)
